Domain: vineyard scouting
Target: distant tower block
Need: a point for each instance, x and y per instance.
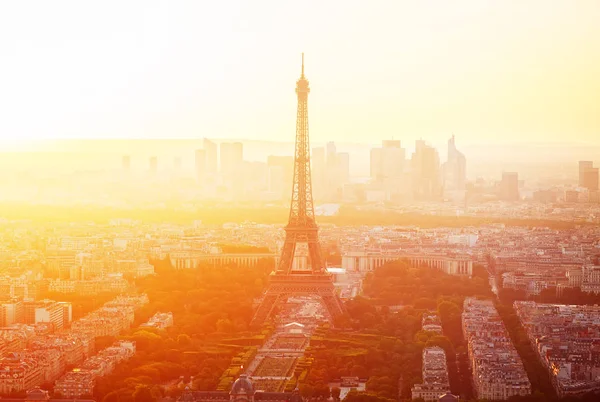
(210, 149)
(177, 163)
(126, 163)
(301, 228)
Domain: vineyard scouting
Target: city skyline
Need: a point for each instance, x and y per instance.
(434, 236)
(401, 70)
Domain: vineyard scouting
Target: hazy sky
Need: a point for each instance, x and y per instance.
(485, 70)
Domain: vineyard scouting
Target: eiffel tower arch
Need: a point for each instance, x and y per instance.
(301, 228)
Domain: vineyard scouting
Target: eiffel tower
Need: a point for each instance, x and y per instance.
(301, 228)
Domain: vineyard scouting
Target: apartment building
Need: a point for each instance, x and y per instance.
(19, 373)
(435, 375)
(567, 341)
(497, 369)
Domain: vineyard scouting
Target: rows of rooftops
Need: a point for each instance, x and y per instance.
(567, 341)
(494, 360)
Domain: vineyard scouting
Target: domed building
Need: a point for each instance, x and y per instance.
(242, 390)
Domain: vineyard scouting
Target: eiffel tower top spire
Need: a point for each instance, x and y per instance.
(302, 88)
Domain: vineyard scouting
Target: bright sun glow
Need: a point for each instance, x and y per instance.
(486, 70)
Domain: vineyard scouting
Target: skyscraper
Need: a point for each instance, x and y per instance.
(455, 168)
(210, 168)
(583, 165)
(387, 162)
(331, 164)
(126, 163)
(590, 179)
(331, 150)
(375, 163)
(337, 172)
(509, 186)
(388, 170)
(330, 172)
(210, 149)
(588, 175)
(426, 178)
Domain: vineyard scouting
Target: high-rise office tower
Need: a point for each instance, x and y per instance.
(126, 163)
(583, 166)
(375, 161)
(153, 164)
(210, 149)
(209, 175)
(590, 179)
(388, 171)
(333, 183)
(331, 150)
(455, 168)
(393, 158)
(426, 178)
(388, 161)
(509, 186)
(588, 175)
(331, 164)
(330, 172)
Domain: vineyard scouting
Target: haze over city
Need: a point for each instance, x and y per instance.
(175, 228)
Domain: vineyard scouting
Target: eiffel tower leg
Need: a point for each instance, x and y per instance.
(264, 309)
(314, 251)
(287, 255)
(333, 305)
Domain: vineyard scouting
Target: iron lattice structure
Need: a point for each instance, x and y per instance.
(301, 228)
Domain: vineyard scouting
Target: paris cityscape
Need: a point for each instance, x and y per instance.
(396, 248)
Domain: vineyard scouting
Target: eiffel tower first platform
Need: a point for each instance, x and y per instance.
(301, 228)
